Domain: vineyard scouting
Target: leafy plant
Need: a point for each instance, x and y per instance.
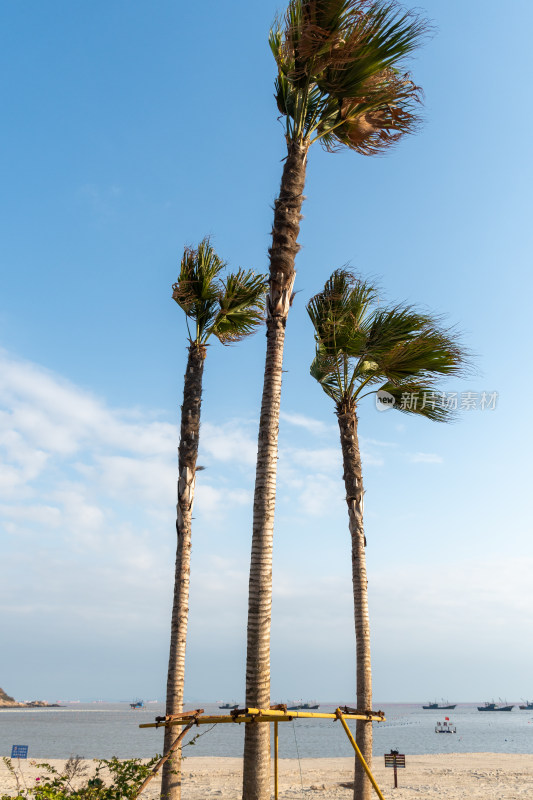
(113, 779)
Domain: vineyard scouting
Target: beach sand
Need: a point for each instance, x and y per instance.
(491, 776)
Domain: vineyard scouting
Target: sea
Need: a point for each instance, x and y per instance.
(103, 730)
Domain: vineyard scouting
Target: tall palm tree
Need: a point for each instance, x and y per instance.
(340, 82)
(229, 308)
(362, 349)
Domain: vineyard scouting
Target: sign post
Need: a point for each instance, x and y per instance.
(19, 751)
(396, 760)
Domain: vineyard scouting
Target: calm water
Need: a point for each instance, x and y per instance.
(101, 730)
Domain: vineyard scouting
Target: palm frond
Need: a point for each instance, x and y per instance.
(388, 327)
(376, 37)
(430, 355)
(326, 369)
(340, 72)
(383, 112)
(196, 290)
(241, 301)
(339, 311)
(360, 347)
(230, 308)
(199, 268)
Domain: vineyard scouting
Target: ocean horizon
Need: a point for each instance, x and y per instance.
(98, 729)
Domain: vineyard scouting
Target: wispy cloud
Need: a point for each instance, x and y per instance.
(87, 509)
(425, 458)
(233, 441)
(314, 426)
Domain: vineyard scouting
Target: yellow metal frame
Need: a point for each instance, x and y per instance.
(254, 715)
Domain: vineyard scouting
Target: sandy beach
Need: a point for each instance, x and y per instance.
(493, 776)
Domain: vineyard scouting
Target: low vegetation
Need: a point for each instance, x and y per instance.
(111, 780)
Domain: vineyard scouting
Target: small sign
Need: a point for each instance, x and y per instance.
(19, 751)
(397, 761)
(393, 760)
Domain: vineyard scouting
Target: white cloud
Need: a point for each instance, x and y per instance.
(325, 459)
(87, 507)
(425, 458)
(471, 602)
(311, 425)
(47, 516)
(49, 413)
(141, 479)
(378, 442)
(370, 459)
(219, 502)
(231, 441)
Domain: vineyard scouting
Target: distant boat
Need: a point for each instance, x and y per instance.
(445, 727)
(230, 705)
(436, 707)
(495, 707)
(137, 704)
(303, 706)
(528, 706)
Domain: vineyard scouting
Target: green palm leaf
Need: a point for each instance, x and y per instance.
(360, 347)
(196, 290)
(431, 353)
(325, 369)
(241, 300)
(388, 327)
(338, 313)
(341, 75)
(230, 308)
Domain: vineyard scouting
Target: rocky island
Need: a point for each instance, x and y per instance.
(6, 701)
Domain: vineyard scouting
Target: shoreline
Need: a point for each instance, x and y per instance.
(453, 776)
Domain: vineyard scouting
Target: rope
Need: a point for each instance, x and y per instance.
(198, 736)
(298, 754)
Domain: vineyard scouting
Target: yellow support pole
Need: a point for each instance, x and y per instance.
(200, 721)
(255, 715)
(359, 754)
(276, 772)
(287, 716)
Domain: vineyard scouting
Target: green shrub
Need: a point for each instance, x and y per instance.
(113, 780)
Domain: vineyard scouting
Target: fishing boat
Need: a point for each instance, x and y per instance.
(445, 727)
(303, 706)
(137, 704)
(229, 705)
(527, 706)
(446, 706)
(495, 707)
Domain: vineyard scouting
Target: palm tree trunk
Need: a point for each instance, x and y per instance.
(353, 481)
(256, 767)
(188, 453)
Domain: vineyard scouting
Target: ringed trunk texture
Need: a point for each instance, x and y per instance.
(287, 215)
(188, 453)
(353, 481)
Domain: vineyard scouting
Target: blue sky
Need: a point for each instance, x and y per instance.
(134, 128)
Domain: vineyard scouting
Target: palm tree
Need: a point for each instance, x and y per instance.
(340, 82)
(229, 308)
(363, 349)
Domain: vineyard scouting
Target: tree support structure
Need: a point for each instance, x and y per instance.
(276, 714)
